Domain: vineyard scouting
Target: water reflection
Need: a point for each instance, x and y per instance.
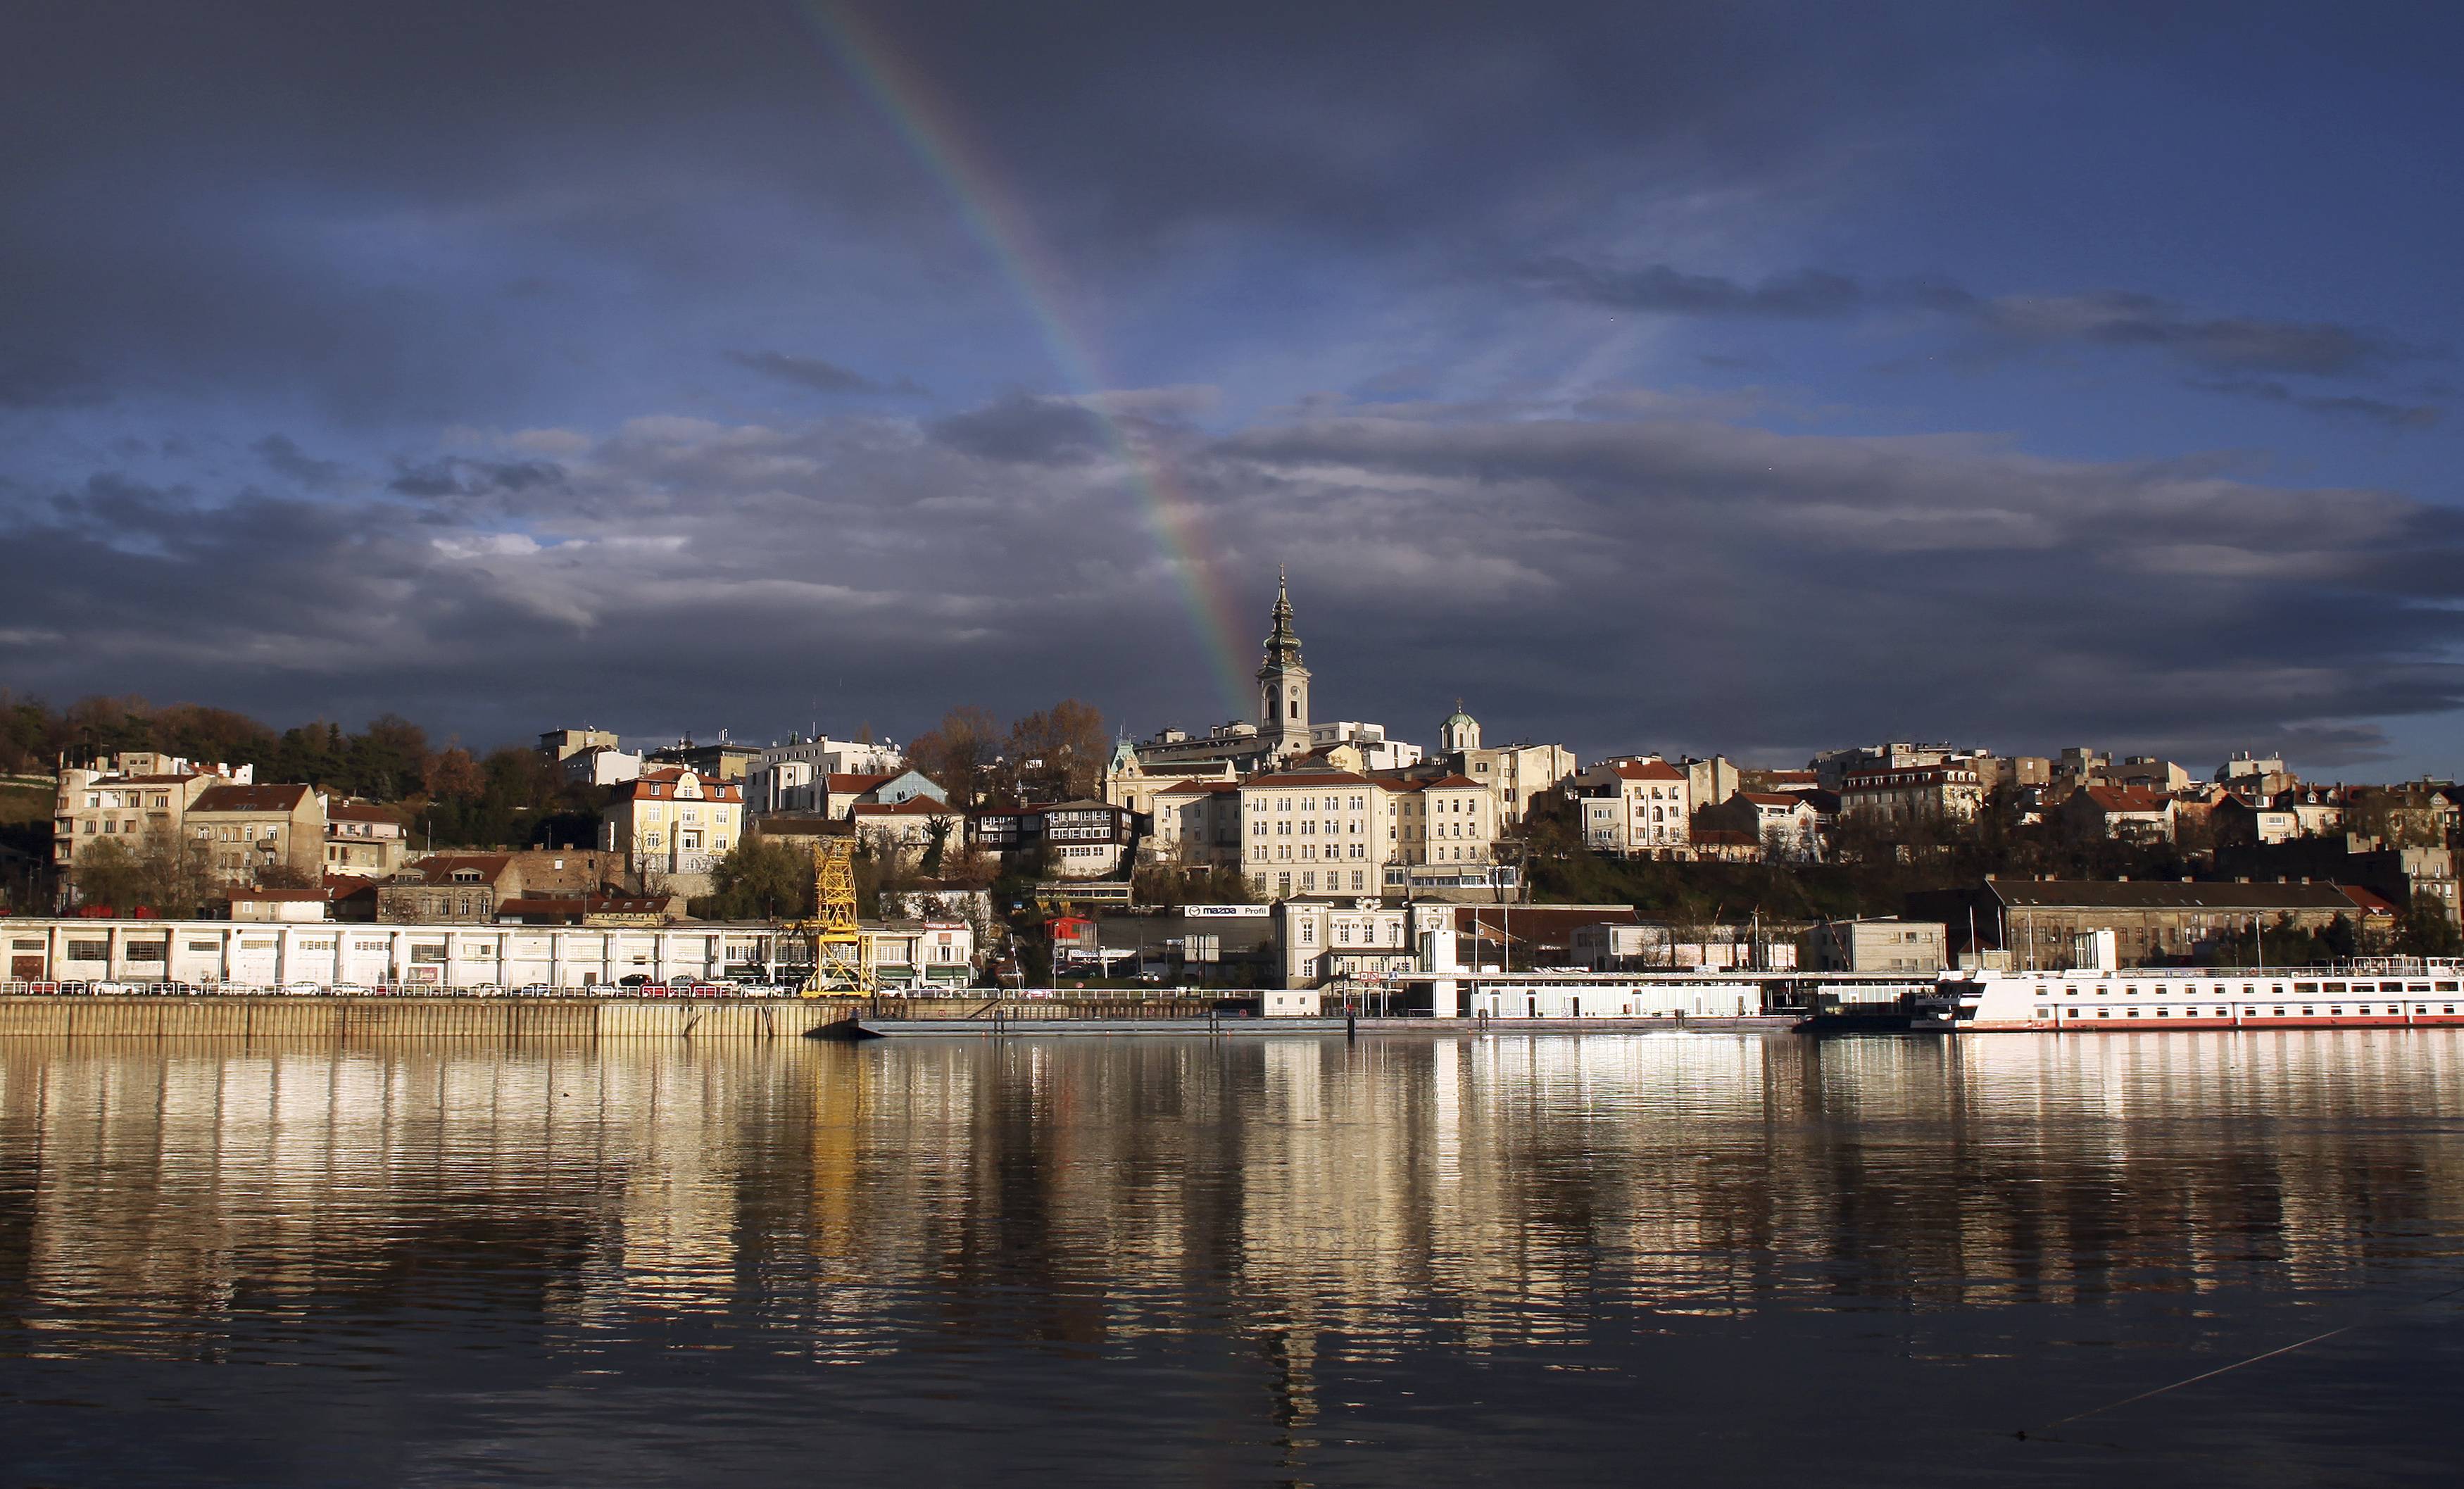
(1324, 1211)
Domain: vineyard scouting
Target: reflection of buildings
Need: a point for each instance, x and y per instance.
(1333, 1202)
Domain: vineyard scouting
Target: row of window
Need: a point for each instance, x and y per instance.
(2275, 1010)
(2251, 990)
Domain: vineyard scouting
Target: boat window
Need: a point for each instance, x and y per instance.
(2131, 991)
(2044, 1013)
(2248, 1012)
(2070, 992)
(2333, 987)
(2335, 1012)
(2163, 1013)
(2416, 987)
(2279, 1013)
(2302, 987)
(2104, 1013)
(2448, 987)
(2383, 987)
(2307, 1011)
(2103, 992)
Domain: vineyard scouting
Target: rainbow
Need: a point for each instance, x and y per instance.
(932, 130)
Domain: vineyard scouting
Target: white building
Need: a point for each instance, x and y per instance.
(1636, 806)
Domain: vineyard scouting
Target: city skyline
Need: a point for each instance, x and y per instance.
(1750, 383)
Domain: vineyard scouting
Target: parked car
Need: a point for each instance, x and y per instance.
(303, 988)
(348, 990)
(634, 980)
(535, 990)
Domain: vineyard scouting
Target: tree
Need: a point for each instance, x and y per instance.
(759, 879)
(178, 875)
(106, 872)
(285, 876)
(2427, 930)
(451, 775)
(1058, 753)
(958, 755)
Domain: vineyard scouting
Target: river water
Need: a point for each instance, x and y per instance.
(1409, 1259)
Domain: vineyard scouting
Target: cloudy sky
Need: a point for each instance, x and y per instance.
(1682, 377)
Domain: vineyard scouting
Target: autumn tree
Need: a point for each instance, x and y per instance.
(451, 775)
(958, 755)
(1058, 753)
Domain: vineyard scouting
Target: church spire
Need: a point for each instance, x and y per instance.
(1282, 646)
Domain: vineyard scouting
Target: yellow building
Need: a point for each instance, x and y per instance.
(674, 820)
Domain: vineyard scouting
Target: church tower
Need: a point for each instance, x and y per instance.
(1460, 733)
(1283, 684)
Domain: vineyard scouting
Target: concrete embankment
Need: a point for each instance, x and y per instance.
(406, 1017)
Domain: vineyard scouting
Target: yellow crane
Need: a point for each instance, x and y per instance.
(841, 958)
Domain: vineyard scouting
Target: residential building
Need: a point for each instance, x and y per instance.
(1195, 824)
(1783, 826)
(2256, 774)
(909, 828)
(721, 761)
(2152, 921)
(249, 829)
(280, 907)
(1320, 942)
(1711, 783)
(133, 796)
(1833, 767)
(448, 889)
(602, 765)
(1636, 806)
(1133, 784)
(2132, 813)
(822, 755)
(1377, 750)
(1912, 792)
(1886, 945)
(362, 841)
(2149, 773)
(673, 820)
(562, 744)
(1321, 831)
(1513, 773)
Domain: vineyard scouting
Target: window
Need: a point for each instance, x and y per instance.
(89, 950)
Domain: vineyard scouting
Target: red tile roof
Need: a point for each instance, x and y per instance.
(1309, 778)
(844, 784)
(1645, 770)
(2369, 904)
(2127, 799)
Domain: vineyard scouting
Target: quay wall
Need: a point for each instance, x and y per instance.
(405, 1016)
(399, 1017)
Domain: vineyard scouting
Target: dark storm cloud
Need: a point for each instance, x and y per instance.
(456, 476)
(283, 456)
(332, 203)
(2110, 317)
(817, 375)
(1616, 582)
(2377, 410)
(1033, 431)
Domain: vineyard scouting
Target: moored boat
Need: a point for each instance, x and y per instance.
(2367, 993)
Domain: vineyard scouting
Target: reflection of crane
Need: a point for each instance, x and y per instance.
(842, 958)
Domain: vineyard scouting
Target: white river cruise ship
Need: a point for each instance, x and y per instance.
(2372, 992)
